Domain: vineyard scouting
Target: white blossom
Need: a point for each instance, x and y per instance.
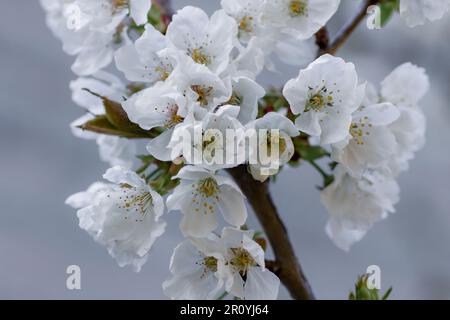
(259, 39)
(355, 204)
(371, 143)
(123, 215)
(201, 195)
(247, 14)
(280, 130)
(210, 140)
(247, 278)
(323, 97)
(88, 28)
(160, 106)
(148, 59)
(201, 86)
(418, 12)
(201, 267)
(409, 131)
(196, 267)
(246, 95)
(405, 86)
(206, 41)
(300, 18)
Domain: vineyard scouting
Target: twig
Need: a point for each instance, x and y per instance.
(288, 267)
(349, 28)
(322, 39)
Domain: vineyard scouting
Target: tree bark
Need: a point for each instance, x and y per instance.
(288, 268)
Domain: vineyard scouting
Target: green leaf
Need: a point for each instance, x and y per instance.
(101, 125)
(117, 121)
(118, 117)
(388, 8)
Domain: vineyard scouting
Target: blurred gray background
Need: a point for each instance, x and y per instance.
(41, 164)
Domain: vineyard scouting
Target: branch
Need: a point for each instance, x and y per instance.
(288, 268)
(322, 40)
(348, 29)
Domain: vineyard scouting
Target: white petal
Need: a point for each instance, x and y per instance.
(121, 175)
(139, 10)
(232, 206)
(157, 147)
(261, 285)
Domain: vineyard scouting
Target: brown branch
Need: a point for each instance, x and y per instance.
(288, 268)
(322, 39)
(286, 265)
(348, 29)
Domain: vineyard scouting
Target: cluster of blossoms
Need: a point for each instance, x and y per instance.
(371, 136)
(418, 12)
(198, 74)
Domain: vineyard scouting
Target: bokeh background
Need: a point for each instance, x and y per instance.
(41, 164)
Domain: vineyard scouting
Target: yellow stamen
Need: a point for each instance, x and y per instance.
(199, 57)
(203, 93)
(241, 260)
(298, 8)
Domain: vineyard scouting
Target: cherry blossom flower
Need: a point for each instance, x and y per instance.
(207, 41)
(323, 97)
(247, 276)
(88, 28)
(371, 144)
(202, 267)
(278, 142)
(210, 140)
(355, 204)
(417, 12)
(196, 267)
(405, 86)
(201, 86)
(148, 59)
(201, 195)
(258, 38)
(300, 18)
(123, 215)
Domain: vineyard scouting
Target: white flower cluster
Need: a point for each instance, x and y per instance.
(372, 137)
(200, 75)
(418, 12)
(88, 28)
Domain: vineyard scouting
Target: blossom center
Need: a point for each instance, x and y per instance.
(210, 263)
(200, 57)
(119, 4)
(163, 72)
(318, 101)
(173, 118)
(359, 130)
(246, 24)
(208, 187)
(135, 200)
(235, 99)
(204, 93)
(298, 8)
(275, 141)
(241, 260)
